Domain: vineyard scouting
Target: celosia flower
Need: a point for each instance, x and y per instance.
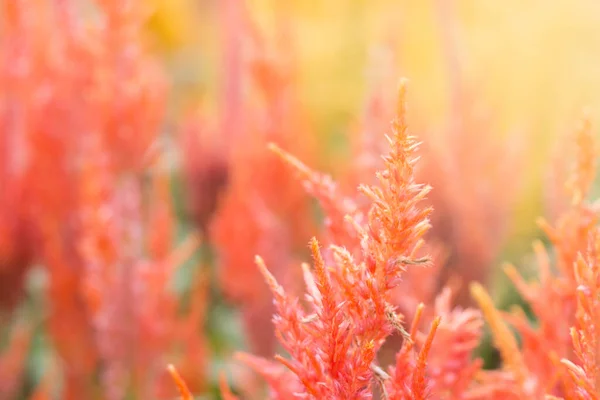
(333, 344)
(562, 299)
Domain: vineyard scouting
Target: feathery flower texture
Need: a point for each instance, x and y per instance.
(93, 304)
(333, 335)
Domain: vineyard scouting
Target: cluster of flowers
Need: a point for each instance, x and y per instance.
(381, 313)
(334, 333)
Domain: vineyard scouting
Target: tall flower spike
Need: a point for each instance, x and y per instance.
(333, 346)
(396, 221)
(419, 381)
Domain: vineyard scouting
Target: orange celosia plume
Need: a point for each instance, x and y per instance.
(334, 341)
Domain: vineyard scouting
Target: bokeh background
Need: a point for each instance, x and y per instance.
(496, 89)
